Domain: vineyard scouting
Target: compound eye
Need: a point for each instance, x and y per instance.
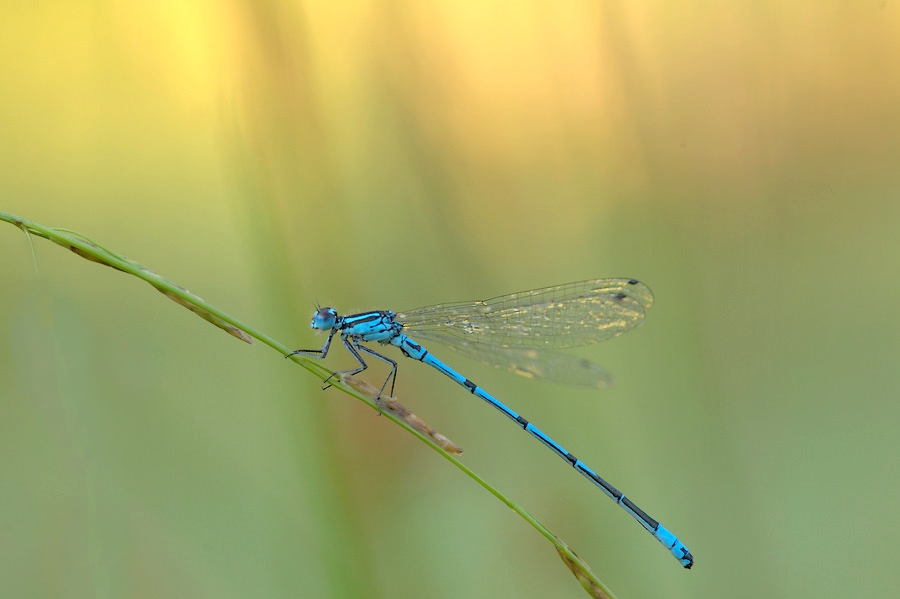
(324, 319)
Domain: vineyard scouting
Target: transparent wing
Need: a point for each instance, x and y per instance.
(528, 362)
(556, 317)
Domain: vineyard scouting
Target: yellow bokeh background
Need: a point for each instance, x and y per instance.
(741, 159)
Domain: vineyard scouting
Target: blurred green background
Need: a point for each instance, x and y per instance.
(742, 159)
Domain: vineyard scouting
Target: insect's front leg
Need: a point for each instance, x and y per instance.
(315, 353)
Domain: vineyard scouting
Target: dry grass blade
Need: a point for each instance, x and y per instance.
(400, 411)
(90, 250)
(584, 575)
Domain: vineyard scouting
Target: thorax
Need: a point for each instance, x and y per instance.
(371, 326)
